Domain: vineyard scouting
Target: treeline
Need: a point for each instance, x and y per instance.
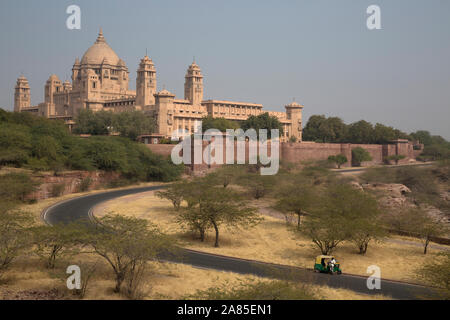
(40, 144)
(262, 121)
(319, 128)
(128, 124)
(333, 130)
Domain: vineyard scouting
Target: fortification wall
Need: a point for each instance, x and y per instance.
(307, 151)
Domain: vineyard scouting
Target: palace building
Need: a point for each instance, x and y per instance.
(100, 81)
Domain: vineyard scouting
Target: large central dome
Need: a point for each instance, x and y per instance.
(99, 52)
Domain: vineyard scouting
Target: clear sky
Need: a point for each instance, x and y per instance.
(269, 52)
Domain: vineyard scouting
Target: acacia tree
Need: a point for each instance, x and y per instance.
(14, 235)
(257, 185)
(214, 206)
(53, 242)
(362, 219)
(174, 193)
(296, 202)
(126, 243)
(195, 220)
(342, 213)
(418, 221)
(225, 175)
(227, 207)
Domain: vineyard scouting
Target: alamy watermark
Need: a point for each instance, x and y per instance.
(374, 281)
(74, 20)
(74, 280)
(374, 20)
(218, 142)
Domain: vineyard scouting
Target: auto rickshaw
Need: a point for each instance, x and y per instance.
(323, 265)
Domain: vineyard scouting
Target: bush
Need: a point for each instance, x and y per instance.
(258, 290)
(84, 184)
(360, 155)
(57, 189)
(395, 157)
(42, 144)
(15, 186)
(339, 160)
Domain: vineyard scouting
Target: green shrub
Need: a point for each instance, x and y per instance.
(41, 144)
(57, 189)
(360, 155)
(15, 186)
(84, 184)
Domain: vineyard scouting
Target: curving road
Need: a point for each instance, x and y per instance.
(79, 208)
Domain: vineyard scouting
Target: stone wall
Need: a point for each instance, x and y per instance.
(307, 151)
(70, 181)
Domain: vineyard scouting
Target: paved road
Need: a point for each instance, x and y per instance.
(79, 208)
(391, 166)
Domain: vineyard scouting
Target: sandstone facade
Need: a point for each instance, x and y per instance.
(100, 82)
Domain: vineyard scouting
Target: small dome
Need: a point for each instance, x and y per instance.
(53, 77)
(100, 51)
(294, 104)
(165, 92)
(194, 66)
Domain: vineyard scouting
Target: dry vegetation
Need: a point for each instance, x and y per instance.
(164, 281)
(272, 241)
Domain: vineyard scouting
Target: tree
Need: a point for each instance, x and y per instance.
(196, 220)
(15, 186)
(257, 185)
(437, 274)
(342, 213)
(226, 175)
(363, 222)
(339, 160)
(423, 137)
(54, 242)
(419, 222)
(311, 132)
(14, 235)
(217, 206)
(174, 193)
(360, 132)
(127, 244)
(15, 143)
(296, 199)
(360, 155)
(95, 123)
(262, 121)
(322, 129)
(220, 124)
(131, 124)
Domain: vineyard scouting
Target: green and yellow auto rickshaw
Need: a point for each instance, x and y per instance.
(324, 264)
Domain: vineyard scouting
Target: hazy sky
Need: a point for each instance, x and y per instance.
(269, 52)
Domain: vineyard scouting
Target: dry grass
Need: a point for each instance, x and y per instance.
(163, 281)
(272, 241)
